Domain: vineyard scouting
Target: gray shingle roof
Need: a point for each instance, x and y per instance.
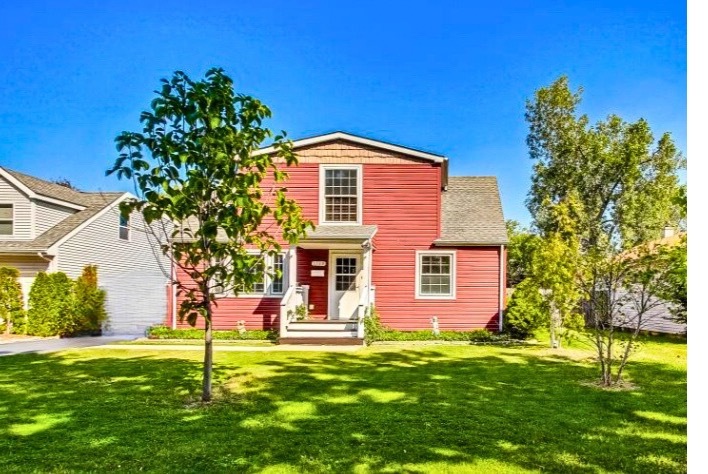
(472, 212)
(93, 202)
(342, 232)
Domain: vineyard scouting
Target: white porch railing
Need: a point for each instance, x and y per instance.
(294, 297)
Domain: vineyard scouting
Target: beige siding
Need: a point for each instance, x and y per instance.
(28, 266)
(48, 215)
(22, 225)
(129, 271)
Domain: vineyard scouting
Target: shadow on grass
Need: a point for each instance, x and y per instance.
(398, 411)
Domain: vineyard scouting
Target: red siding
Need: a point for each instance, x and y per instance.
(318, 285)
(403, 200)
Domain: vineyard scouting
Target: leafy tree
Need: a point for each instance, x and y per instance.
(201, 190)
(601, 188)
(11, 302)
(675, 287)
(519, 252)
(89, 311)
(51, 305)
(527, 310)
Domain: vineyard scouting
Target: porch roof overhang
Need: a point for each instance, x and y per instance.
(338, 236)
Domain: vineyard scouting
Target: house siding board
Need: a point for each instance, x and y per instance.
(657, 319)
(48, 215)
(401, 196)
(129, 271)
(22, 208)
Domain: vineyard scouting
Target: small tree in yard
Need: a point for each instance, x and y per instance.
(11, 305)
(201, 190)
(601, 189)
(89, 311)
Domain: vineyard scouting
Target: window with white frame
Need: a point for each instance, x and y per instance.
(340, 193)
(124, 228)
(271, 281)
(6, 219)
(435, 275)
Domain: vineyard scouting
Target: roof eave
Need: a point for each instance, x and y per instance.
(464, 243)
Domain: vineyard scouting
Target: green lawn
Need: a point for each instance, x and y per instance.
(384, 409)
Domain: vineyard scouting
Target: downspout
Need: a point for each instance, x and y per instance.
(502, 288)
(174, 295)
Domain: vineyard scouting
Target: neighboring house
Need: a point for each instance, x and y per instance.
(392, 230)
(659, 318)
(48, 227)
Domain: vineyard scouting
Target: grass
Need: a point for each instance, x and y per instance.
(383, 409)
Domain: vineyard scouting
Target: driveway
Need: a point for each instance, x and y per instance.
(51, 345)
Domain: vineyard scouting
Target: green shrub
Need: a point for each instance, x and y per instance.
(51, 305)
(12, 314)
(373, 329)
(163, 332)
(89, 311)
(526, 311)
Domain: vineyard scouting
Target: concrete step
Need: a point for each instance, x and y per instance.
(322, 341)
(323, 325)
(326, 333)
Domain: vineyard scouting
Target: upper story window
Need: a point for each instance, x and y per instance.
(435, 275)
(6, 219)
(340, 194)
(124, 228)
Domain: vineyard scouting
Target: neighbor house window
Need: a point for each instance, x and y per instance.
(340, 193)
(124, 228)
(6, 219)
(435, 275)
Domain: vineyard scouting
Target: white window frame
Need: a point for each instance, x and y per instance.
(267, 280)
(359, 189)
(419, 254)
(126, 227)
(12, 219)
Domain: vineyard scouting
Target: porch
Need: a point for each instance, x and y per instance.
(329, 287)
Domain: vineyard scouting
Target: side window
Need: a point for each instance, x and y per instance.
(435, 276)
(6, 219)
(124, 228)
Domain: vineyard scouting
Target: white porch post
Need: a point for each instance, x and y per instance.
(292, 266)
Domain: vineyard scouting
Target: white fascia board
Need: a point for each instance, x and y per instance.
(361, 140)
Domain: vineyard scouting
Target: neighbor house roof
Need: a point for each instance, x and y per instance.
(89, 204)
(472, 212)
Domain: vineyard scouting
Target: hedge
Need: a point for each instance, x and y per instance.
(163, 332)
(59, 306)
(12, 313)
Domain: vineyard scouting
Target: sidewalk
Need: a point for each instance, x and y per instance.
(232, 348)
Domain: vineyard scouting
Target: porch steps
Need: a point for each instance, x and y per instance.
(322, 341)
(322, 332)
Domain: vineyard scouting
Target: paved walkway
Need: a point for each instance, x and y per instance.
(52, 345)
(234, 348)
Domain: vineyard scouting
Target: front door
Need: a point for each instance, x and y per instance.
(343, 297)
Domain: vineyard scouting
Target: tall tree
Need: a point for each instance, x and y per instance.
(202, 191)
(605, 187)
(519, 252)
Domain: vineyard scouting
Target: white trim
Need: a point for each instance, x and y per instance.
(502, 287)
(359, 189)
(32, 195)
(14, 219)
(362, 141)
(33, 219)
(53, 249)
(453, 274)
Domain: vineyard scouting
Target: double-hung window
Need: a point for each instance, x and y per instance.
(435, 275)
(272, 278)
(6, 219)
(124, 228)
(340, 194)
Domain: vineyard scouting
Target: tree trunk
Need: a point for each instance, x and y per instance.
(208, 354)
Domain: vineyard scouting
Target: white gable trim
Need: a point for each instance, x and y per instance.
(362, 141)
(55, 247)
(32, 195)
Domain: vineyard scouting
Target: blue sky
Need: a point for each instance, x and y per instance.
(449, 77)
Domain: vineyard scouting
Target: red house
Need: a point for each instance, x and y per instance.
(393, 230)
